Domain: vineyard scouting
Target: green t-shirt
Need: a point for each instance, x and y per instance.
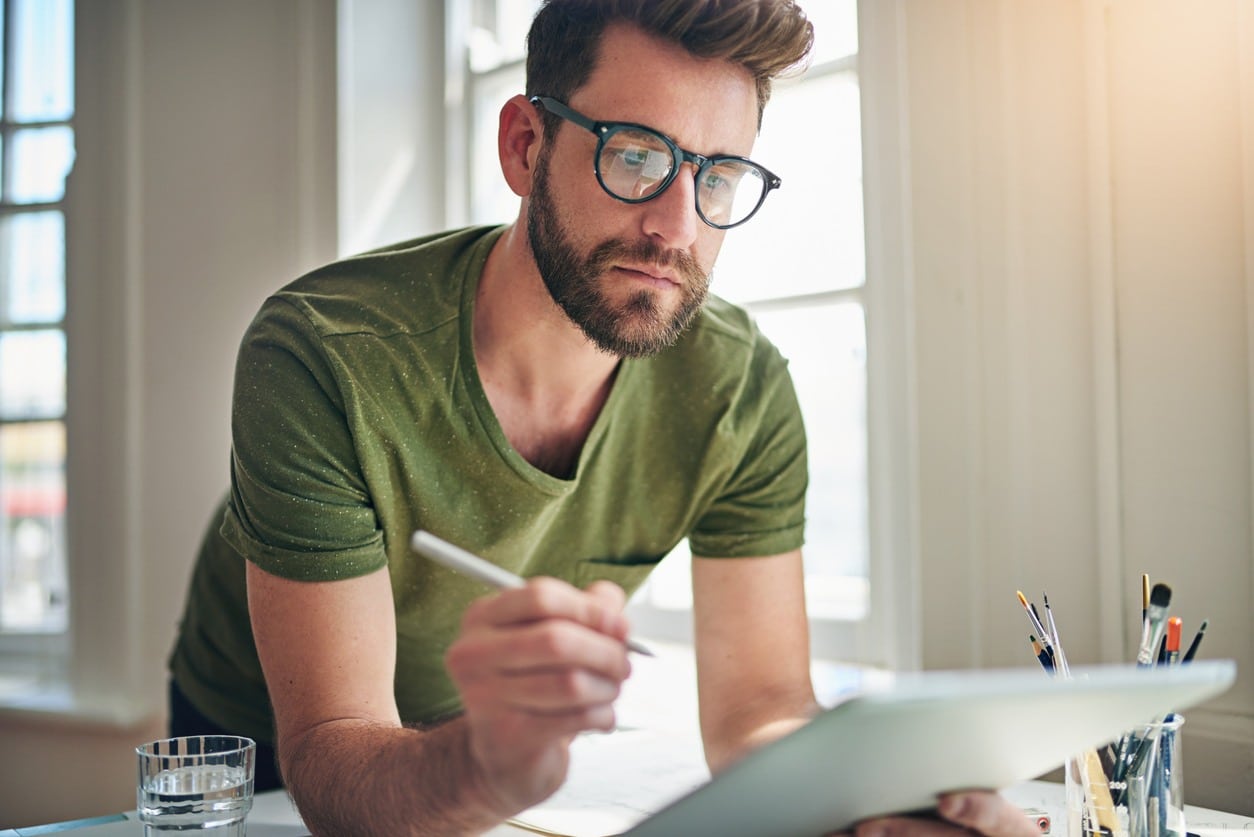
(359, 416)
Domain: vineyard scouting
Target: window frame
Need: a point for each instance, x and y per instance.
(32, 656)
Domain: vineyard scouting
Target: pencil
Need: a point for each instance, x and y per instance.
(1044, 659)
(469, 564)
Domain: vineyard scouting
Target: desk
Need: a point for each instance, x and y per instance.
(666, 713)
(274, 816)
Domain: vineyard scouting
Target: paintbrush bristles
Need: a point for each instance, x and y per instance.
(1160, 596)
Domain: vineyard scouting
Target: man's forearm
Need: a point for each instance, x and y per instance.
(735, 737)
(360, 778)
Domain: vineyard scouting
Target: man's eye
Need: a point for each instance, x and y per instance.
(634, 157)
(714, 181)
(640, 161)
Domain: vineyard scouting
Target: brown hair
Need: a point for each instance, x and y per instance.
(767, 37)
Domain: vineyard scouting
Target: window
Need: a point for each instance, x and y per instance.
(813, 307)
(36, 153)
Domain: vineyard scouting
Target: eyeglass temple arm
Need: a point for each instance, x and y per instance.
(556, 108)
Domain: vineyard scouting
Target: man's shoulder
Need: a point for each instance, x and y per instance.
(408, 286)
(446, 243)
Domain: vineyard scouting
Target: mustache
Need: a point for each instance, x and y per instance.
(609, 252)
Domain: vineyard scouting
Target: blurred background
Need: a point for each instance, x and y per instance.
(1011, 265)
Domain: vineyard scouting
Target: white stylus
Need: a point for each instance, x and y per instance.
(467, 563)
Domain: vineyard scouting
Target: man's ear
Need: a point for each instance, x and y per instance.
(519, 137)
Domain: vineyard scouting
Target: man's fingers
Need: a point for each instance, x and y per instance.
(987, 813)
(981, 812)
(906, 827)
(599, 608)
(550, 727)
(493, 651)
(545, 691)
(608, 592)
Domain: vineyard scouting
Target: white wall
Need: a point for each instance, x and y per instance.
(1080, 215)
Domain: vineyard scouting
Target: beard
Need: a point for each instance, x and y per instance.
(638, 327)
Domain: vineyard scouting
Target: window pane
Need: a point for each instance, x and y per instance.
(33, 592)
(826, 350)
(32, 374)
(41, 161)
(808, 236)
(835, 28)
(43, 45)
(32, 268)
(498, 32)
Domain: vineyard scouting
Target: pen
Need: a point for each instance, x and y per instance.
(1197, 640)
(459, 560)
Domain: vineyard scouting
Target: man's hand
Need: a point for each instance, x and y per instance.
(981, 812)
(534, 667)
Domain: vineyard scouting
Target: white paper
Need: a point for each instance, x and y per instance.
(617, 780)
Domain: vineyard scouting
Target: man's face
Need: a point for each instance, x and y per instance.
(638, 325)
(632, 276)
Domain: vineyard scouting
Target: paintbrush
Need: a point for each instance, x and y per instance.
(1197, 640)
(1155, 619)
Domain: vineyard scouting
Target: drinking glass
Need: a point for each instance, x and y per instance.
(196, 782)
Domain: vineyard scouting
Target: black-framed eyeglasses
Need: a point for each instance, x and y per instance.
(635, 163)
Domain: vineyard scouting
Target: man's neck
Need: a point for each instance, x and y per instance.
(545, 380)
(522, 339)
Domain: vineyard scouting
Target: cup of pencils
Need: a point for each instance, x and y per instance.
(1130, 788)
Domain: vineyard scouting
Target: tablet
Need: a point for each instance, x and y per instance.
(894, 750)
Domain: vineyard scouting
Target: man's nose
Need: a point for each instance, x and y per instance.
(672, 216)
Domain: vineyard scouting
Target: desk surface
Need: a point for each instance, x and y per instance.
(274, 816)
(650, 702)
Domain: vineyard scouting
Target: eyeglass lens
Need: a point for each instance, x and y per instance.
(636, 164)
